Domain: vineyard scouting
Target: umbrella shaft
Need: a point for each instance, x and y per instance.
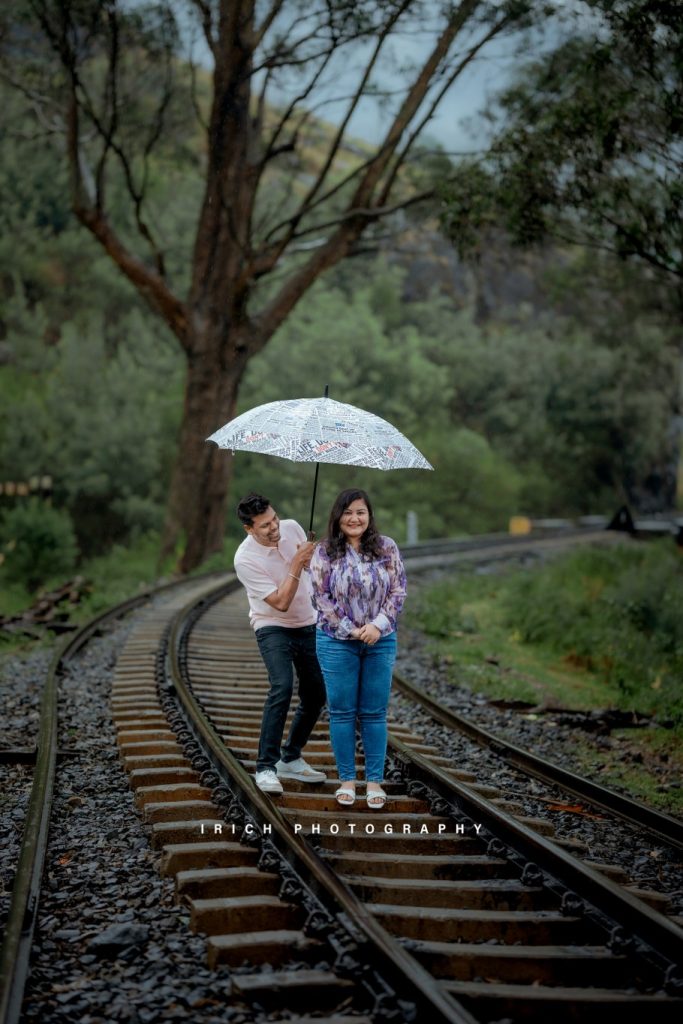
(315, 488)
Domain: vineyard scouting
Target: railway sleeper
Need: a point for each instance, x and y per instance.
(317, 801)
(144, 777)
(613, 871)
(276, 948)
(365, 817)
(657, 900)
(135, 698)
(296, 989)
(140, 718)
(571, 1005)
(295, 786)
(528, 965)
(132, 693)
(149, 747)
(165, 832)
(336, 1019)
(143, 736)
(476, 894)
(134, 707)
(399, 843)
(411, 866)
(178, 810)
(542, 928)
(210, 854)
(155, 761)
(218, 883)
(178, 791)
(231, 914)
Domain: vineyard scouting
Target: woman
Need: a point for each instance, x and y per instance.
(359, 586)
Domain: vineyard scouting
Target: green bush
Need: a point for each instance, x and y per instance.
(616, 612)
(38, 543)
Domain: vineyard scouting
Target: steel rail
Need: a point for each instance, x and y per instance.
(653, 929)
(447, 545)
(397, 965)
(630, 925)
(661, 826)
(22, 914)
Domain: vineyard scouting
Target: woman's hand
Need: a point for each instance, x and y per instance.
(369, 634)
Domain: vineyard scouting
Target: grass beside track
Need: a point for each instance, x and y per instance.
(594, 629)
(101, 583)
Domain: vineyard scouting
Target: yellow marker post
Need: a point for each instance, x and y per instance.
(519, 526)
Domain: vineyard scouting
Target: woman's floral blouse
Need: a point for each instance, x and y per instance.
(355, 590)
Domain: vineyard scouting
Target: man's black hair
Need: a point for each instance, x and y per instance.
(252, 505)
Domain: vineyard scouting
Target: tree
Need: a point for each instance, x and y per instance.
(269, 219)
(588, 146)
(588, 151)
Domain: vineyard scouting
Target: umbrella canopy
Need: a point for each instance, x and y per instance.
(320, 430)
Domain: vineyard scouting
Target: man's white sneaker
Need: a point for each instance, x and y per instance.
(300, 770)
(268, 782)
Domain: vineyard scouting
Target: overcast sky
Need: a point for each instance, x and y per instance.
(456, 125)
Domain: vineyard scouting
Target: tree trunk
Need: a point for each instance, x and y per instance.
(202, 471)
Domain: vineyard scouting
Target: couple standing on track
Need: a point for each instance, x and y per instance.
(331, 606)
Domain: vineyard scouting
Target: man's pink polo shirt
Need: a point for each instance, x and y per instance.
(262, 569)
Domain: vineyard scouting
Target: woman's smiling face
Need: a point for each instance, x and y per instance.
(354, 521)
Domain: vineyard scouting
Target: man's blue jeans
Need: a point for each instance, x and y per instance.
(283, 650)
(358, 680)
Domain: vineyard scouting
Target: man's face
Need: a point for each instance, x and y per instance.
(266, 528)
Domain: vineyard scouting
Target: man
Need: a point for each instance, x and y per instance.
(270, 563)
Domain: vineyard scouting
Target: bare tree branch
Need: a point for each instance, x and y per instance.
(85, 204)
(110, 103)
(272, 14)
(450, 79)
(369, 214)
(289, 110)
(194, 97)
(371, 170)
(413, 100)
(206, 15)
(341, 131)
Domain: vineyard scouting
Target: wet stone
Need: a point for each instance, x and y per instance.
(117, 938)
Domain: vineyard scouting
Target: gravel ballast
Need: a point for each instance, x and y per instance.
(110, 944)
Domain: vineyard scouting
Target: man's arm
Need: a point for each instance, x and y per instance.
(281, 598)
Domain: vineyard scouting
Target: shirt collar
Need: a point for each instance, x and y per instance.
(261, 548)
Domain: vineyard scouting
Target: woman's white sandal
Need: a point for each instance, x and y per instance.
(345, 791)
(377, 795)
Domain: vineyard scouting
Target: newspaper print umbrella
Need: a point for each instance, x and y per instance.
(320, 430)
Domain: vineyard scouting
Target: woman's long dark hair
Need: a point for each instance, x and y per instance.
(335, 542)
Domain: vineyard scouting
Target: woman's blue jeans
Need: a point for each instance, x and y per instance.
(358, 680)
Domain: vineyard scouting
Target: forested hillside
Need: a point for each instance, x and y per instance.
(541, 381)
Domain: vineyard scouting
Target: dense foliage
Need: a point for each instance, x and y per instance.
(597, 627)
(615, 612)
(40, 543)
(567, 405)
(588, 141)
(544, 418)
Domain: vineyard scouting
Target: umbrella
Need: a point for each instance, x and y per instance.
(320, 430)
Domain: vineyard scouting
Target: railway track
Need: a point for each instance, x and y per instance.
(663, 828)
(19, 925)
(446, 903)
